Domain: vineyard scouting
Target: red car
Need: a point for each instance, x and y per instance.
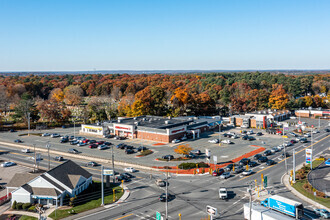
(92, 146)
(99, 142)
(85, 141)
(218, 172)
(279, 132)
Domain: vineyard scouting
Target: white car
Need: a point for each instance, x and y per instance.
(225, 175)
(293, 117)
(102, 147)
(226, 141)
(130, 169)
(315, 131)
(307, 135)
(8, 164)
(287, 143)
(280, 147)
(27, 150)
(184, 138)
(213, 141)
(175, 141)
(247, 172)
(45, 134)
(234, 136)
(244, 126)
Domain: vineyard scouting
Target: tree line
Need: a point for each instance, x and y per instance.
(99, 97)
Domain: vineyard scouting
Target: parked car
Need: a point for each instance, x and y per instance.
(280, 147)
(26, 150)
(74, 142)
(129, 147)
(253, 164)
(226, 142)
(130, 169)
(196, 152)
(92, 164)
(245, 137)
(250, 138)
(163, 198)
(322, 212)
(45, 134)
(213, 141)
(55, 135)
(267, 153)
(303, 140)
(225, 175)
(229, 167)
(99, 142)
(8, 164)
(244, 161)
(81, 144)
(120, 145)
(270, 162)
(109, 136)
(122, 178)
(85, 141)
(274, 149)
(223, 193)
(128, 175)
(307, 135)
(262, 159)
(287, 155)
(168, 157)
(58, 158)
(238, 169)
(315, 131)
(129, 151)
(18, 141)
(175, 141)
(327, 130)
(92, 141)
(257, 156)
(218, 172)
(189, 156)
(102, 147)
(142, 148)
(247, 172)
(92, 146)
(184, 138)
(259, 133)
(107, 143)
(64, 140)
(73, 151)
(287, 143)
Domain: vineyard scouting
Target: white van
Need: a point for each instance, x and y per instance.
(223, 193)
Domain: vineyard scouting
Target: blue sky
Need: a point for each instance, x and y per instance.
(164, 35)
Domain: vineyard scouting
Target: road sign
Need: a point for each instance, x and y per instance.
(215, 159)
(107, 172)
(158, 216)
(265, 181)
(308, 155)
(211, 210)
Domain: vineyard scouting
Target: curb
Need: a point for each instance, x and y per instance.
(122, 199)
(285, 180)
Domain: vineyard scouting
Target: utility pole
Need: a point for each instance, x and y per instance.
(312, 147)
(35, 157)
(48, 147)
(28, 123)
(74, 128)
(113, 166)
(286, 165)
(294, 165)
(250, 202)
(102, 187)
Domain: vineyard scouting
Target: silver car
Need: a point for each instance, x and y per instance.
(225, 175)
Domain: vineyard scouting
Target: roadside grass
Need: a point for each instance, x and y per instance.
(299, 187)
(86, 206)
(25, 217)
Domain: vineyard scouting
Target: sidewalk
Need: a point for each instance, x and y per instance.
(33, 214)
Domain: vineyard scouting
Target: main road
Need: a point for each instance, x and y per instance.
(194, 193)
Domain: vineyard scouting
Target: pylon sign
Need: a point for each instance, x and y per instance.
(308, 155)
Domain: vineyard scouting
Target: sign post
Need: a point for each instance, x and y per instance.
(102, 187)
(309, 156)
(211, 211)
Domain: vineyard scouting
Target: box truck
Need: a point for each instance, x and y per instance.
(284, 205)
(259, 212)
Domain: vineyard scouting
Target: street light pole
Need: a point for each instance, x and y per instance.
(286, 165)
(48, 147)
(250, 202)
(294, 165)
(113, 166)
(166, 205)
(74, 128)
(312, 147)
(28, 123)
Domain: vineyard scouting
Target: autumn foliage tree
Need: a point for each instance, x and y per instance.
(278, 97)
(183, 149)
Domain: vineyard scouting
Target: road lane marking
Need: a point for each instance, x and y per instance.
(124, 216)
(284, 159)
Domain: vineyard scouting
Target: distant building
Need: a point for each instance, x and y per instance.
(51, 187)
(313, 113)
(154, 128)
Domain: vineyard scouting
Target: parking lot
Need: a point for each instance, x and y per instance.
(224, 152)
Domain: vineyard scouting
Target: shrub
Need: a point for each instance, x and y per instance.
(145, 153)
(32, 208)
(320, 194)
(186, 166)
(26, 206)
(19, 205)
(14, 205)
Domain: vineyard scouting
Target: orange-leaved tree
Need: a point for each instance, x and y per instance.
(278, 97)
(182, 149)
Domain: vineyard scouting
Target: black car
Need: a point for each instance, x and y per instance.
(92, 164)
(262, 159)
(58, 158)
(109, 136)
(287, 155)
(267, 153)
(270, 162)
(129, 147)
(127, 175)
(162, 197)
(259, 133)
(129, 151)
(257, 156)
(189, 156)
(250, 138)
(107, 143)
(73, 151)
(12, 130)
(142, 148)
(64, 140)
(168, 157)
(229, 167)
(327, 130)
(245, 137)
(92, 141)
(253, 164)
(244, 161)
(122, 178)
(18, 141)
(120, 146)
